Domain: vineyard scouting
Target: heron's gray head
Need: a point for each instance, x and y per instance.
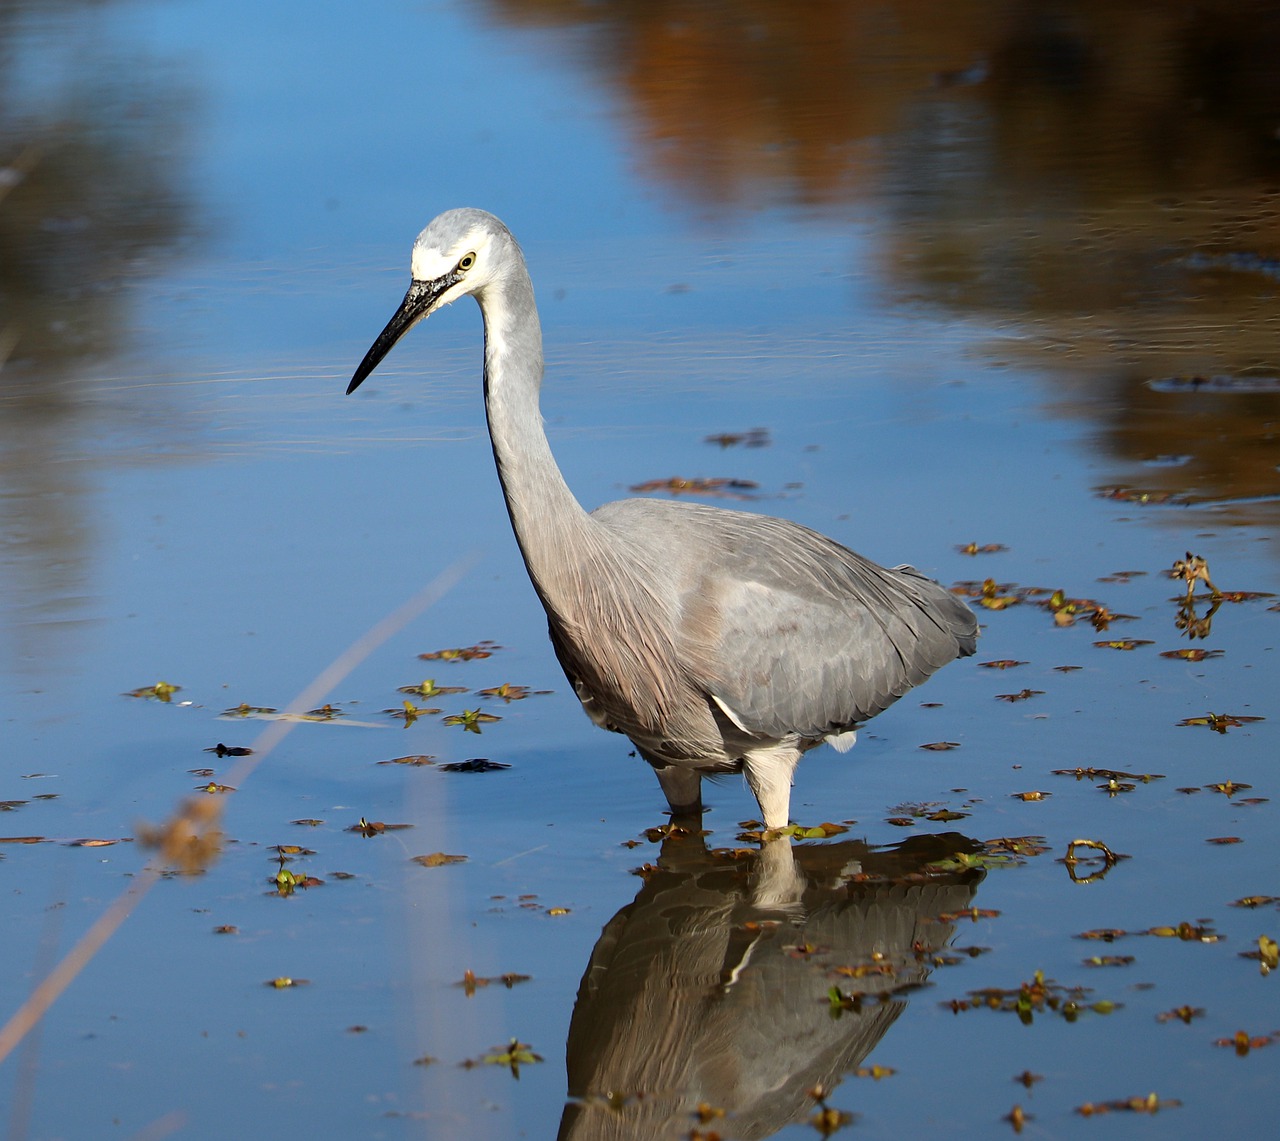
(459, 253)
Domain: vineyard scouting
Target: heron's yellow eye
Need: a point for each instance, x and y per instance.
(466, 262)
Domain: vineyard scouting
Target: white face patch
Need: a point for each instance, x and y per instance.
(429, 262)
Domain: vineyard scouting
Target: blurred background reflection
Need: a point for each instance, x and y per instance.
(1100, 179)
(92, 140)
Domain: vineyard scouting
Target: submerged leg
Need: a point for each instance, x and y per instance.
(683, 789)
(768, 770)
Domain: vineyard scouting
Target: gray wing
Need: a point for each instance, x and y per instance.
(790, 631)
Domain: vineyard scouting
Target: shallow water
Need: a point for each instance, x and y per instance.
(943, 275)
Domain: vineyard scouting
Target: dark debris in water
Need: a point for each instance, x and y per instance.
(752, 438)
(474, 765)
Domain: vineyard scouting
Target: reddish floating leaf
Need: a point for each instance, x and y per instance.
(1219, 722)
(1189, 654)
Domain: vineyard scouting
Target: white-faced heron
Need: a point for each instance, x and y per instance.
(718, 641)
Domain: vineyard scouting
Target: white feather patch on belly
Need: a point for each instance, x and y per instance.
(843, 742)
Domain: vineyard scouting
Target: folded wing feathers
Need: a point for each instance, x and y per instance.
(817, 639)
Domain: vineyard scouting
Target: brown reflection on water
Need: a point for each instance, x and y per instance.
(712, 986)
(90, 199)
(1104, 177)
(766, 99)
(90, 202)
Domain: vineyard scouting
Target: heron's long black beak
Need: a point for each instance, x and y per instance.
(417, 303)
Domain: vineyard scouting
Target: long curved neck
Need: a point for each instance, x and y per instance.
(548, 521)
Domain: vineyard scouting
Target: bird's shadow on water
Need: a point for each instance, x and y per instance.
(713, 988)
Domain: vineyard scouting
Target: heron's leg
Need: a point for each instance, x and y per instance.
(768, 770)
(683, 789)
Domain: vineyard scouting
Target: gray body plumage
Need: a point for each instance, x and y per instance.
(715, 640)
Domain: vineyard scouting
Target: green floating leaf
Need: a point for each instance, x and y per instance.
(429, 688)
(470, 719)
(515, 1055)
(816, 832)
(161, 691)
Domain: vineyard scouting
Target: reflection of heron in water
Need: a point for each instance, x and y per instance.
(712, 985)
(717, 641)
